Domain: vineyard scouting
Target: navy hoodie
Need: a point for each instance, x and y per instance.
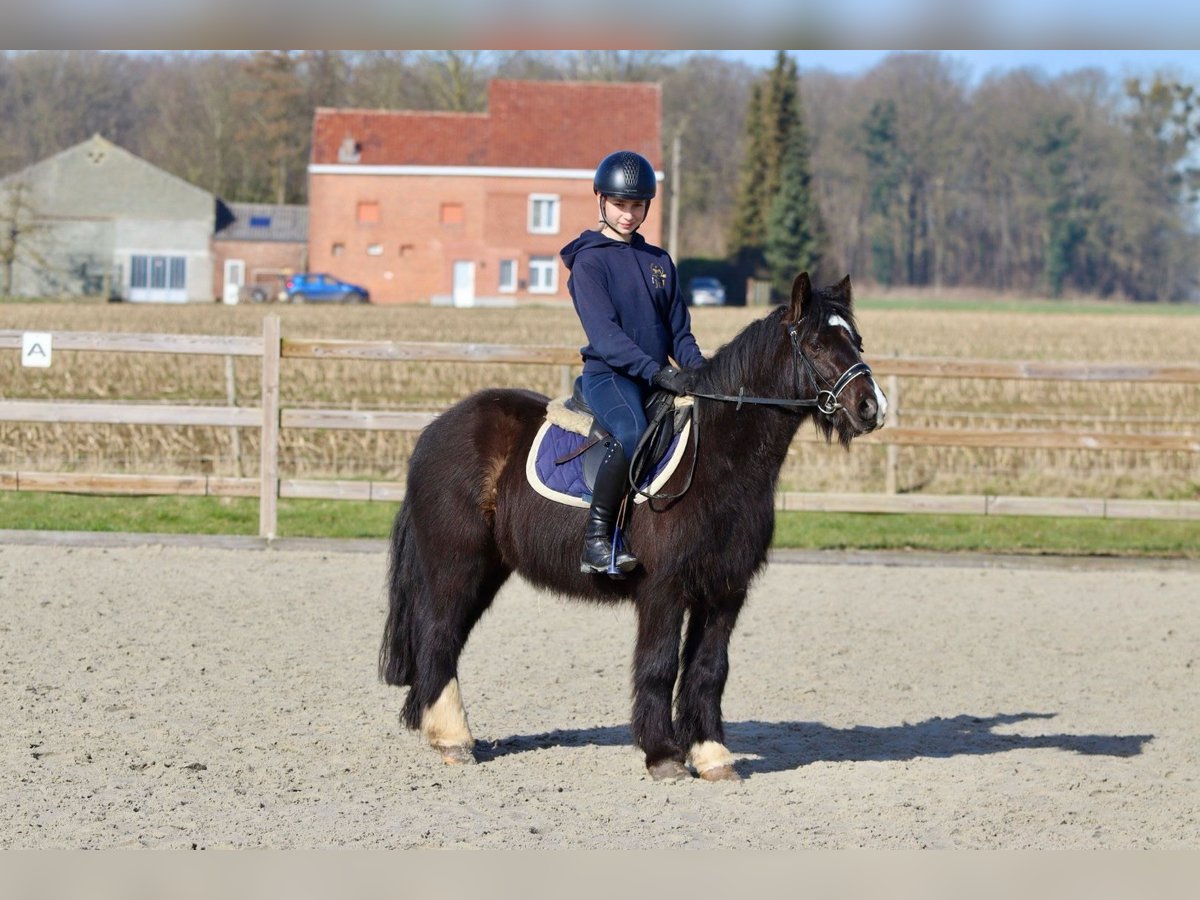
(628, 300)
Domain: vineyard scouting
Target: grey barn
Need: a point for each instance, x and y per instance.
(97, 220)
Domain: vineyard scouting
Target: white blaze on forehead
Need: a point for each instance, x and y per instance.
(881, 404)
(836, 321)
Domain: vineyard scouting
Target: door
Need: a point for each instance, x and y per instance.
(235, 277)
(464, 282)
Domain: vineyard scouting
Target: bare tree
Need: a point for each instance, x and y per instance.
(456, 80)
(22, 233)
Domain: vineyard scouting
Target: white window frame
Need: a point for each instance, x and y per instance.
(538, 223)
(158, 275)
(509, 286)
(547, 266)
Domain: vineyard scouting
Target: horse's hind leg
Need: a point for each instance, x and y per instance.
(457, 595)
(698, 724)
(450, 572)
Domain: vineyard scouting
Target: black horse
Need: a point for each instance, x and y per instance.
(470, 519)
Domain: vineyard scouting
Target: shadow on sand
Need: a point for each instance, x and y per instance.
(783, 746)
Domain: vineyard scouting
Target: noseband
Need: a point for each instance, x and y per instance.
(826, 400)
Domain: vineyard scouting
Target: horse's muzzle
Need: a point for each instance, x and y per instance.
(871, 409)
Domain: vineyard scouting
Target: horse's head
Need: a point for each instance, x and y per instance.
(827, 355)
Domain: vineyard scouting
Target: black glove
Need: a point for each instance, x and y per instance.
(677, 381)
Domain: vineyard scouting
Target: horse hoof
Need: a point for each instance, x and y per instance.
(720, 773)
(457, 756)
(669, 770)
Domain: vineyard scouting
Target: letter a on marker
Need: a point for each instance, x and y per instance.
(36, 347)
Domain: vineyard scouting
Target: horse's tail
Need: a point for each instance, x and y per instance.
(396, 654)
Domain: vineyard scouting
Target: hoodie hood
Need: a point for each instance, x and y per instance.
(591, 239)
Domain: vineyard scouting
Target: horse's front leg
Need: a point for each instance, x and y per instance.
(698, 724)
(655, 668)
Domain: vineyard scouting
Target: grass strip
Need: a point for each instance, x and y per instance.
(795, 530)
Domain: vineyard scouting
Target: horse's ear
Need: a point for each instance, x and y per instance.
(842, 291)
(801, 294)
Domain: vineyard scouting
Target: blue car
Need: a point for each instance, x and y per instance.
(316, 287)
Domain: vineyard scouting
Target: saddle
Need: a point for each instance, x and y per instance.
(569, 447)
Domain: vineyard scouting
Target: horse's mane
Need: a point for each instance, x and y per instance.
(755, 346)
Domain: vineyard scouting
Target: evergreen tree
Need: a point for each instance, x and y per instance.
(773, 111)
(1065, 223)
(749, 222)
(884, 171)
(795, 234)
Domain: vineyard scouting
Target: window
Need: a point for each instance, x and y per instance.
(453, 214)
(337, 249)
(157, 277)
(375, 250)
(158, 271)
(543, 275)
(543, 213)
(508, 275)
(138, 277)
(368, 211)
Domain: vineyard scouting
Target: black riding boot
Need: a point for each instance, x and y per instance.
(607, 494)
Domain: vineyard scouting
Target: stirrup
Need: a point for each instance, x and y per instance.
(609, 565)
(630, 562)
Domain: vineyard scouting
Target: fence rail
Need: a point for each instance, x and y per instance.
(270, 417)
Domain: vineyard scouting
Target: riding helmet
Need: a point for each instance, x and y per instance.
(625, 175)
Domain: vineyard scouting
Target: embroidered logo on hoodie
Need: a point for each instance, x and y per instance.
(658, 275)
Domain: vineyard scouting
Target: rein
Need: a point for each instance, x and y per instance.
(826, 401)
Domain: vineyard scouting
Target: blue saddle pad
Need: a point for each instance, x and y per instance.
(564, 482)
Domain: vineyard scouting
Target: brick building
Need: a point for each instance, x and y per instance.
(470, 208)
(255, 253)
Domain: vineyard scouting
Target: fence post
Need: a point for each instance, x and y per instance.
(268, 489)
(890, 476)
(231, 400)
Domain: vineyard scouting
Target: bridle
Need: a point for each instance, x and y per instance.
(826, 400)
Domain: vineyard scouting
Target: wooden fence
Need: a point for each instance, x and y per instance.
(271, 418)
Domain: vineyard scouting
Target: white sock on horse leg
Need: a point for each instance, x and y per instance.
(445, 723)
(707, 755)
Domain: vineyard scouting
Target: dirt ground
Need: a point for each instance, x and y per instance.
(192, 693)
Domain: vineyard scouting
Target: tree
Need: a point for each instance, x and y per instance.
(773, 111)
(774, 130)
(1055, 148)
(885, 168)
(22, 233)
(618, 65)
(456, 79)
(749, 219)
(284, 121)
(1163, 127)
(704, 102)
(795, 234)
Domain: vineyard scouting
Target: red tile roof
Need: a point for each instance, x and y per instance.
(539, 124)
